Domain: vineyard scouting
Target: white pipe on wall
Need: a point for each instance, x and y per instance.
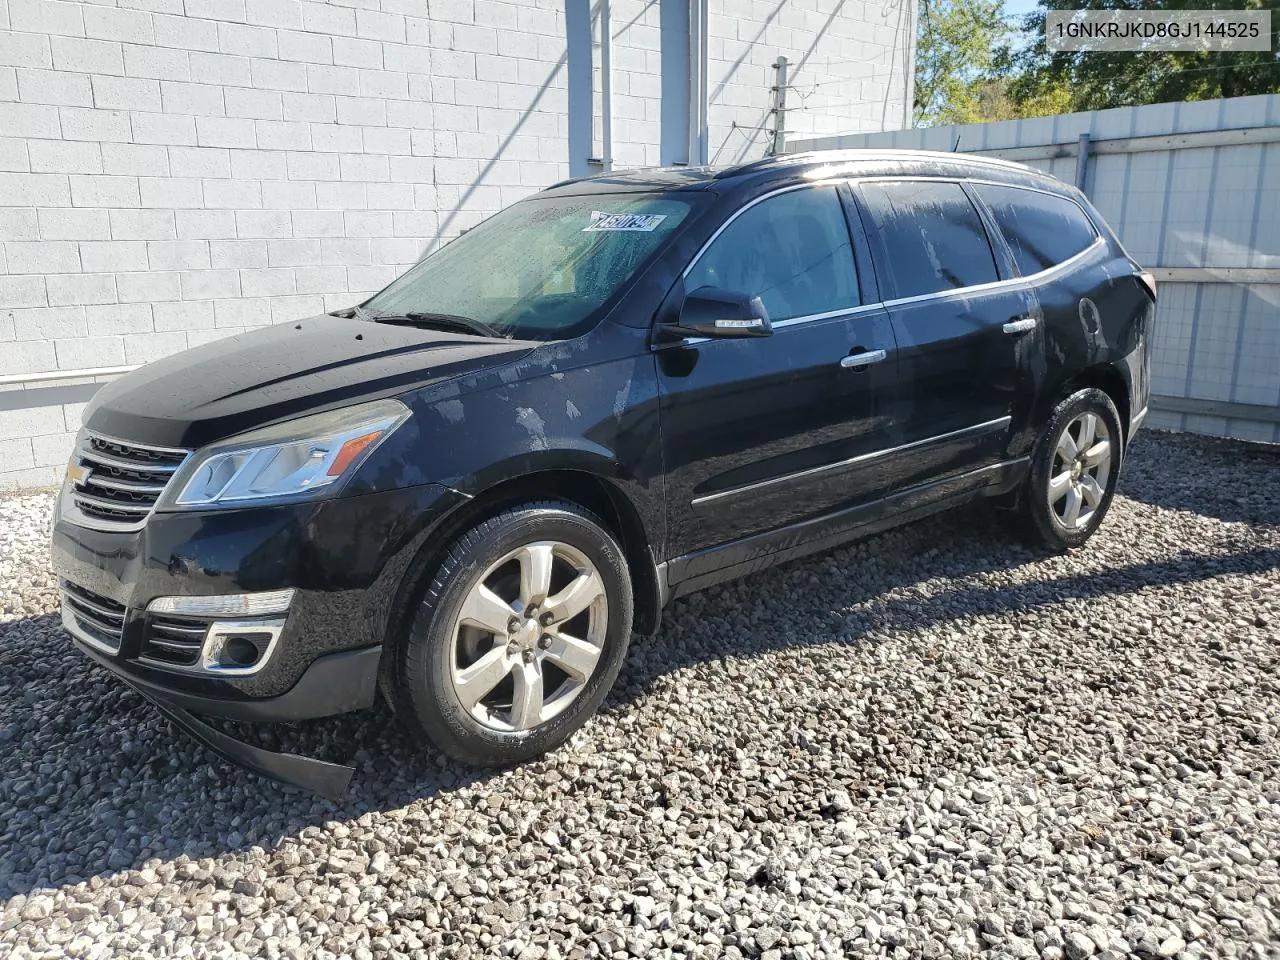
(606, 85)
(19, 378)
(698, 82)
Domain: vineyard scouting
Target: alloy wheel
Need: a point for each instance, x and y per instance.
(529, 636)
(1081, 469)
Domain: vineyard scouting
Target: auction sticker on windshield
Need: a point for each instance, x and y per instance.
(634, 222)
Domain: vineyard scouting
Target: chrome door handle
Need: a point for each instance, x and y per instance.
(856, 361)
(1021, 326)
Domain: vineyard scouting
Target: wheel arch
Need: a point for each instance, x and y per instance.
(589, 491)
(1111, 381)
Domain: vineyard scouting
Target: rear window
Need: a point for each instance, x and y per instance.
(930, 237)
(1042, 230)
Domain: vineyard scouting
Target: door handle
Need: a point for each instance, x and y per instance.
(856, 361)
(1021, 326)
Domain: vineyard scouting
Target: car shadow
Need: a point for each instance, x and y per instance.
(104, 773)
(895, 616)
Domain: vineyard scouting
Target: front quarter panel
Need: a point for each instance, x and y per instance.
(588, 405)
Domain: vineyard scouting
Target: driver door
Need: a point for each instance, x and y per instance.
(762, 433)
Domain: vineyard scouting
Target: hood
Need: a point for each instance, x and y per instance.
(223, 388)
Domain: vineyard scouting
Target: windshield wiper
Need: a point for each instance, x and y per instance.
(441, 321)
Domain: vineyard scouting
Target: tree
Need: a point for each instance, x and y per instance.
(1098, 80)
(955, 48)
(966, 66)
(994, 100)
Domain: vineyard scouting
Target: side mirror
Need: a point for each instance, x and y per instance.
(713, 312)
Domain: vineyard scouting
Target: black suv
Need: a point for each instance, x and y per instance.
(466, 493)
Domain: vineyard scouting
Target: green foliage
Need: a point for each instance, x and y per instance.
(972, 66)
(1099, 80)
(955, 49)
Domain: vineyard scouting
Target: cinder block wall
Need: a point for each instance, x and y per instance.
(175, 171)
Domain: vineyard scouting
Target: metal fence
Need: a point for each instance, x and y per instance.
(1193, 190)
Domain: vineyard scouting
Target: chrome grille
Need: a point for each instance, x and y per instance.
(95, 619)
(174, 641)
(118, 483)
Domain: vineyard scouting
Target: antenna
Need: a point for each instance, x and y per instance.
(955, 147)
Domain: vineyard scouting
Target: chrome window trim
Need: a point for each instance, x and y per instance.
(1012, 283)
(1093, 227)
(693, 262)
(790, 321)
(783, 324)
(1048, 193)
(851, 311)
(1009, 283)
(987, 426)
(880, 177)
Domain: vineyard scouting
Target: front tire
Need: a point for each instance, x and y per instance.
(519, 635)
(1074, 471)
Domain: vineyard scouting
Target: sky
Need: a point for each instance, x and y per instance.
(1014, 11)
(1017, 8)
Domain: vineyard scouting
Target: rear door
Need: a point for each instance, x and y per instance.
(758, 433)
(1058, 252)
(968, 341)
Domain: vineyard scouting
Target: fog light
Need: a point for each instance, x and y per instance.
(228, 605)
(239, 647)
(240, 652)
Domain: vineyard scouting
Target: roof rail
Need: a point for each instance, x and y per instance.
(850, 154)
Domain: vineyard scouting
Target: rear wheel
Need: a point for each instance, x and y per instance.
(519, 636)
(1074, 470)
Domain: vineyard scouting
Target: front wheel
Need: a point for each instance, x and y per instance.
(1074, 470)
(519, 635)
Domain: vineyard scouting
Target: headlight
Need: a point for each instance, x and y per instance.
(290, 460)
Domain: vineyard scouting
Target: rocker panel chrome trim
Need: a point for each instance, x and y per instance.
(990, 426)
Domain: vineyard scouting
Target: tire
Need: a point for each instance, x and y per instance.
(1081, 492)
(448, 658)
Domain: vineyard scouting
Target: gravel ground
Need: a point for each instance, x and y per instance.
(937, 743)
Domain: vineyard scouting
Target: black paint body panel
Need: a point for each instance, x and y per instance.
(277, 373)
(344, 557)
(725, 455)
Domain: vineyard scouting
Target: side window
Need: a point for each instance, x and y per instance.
(1042, 230)
(931, 237)
(792, 251)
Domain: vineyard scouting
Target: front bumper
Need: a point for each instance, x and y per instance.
(335, 683)
(342, 681)
(344, 559)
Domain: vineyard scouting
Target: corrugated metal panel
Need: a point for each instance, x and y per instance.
(1174, 204)
(1182, 205)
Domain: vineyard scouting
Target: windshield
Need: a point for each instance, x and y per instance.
(539, 269)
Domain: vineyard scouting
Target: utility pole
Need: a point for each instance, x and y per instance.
(780, 107)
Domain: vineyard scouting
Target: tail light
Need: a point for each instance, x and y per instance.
(1148, 281)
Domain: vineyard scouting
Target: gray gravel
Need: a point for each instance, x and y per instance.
(937, 743)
